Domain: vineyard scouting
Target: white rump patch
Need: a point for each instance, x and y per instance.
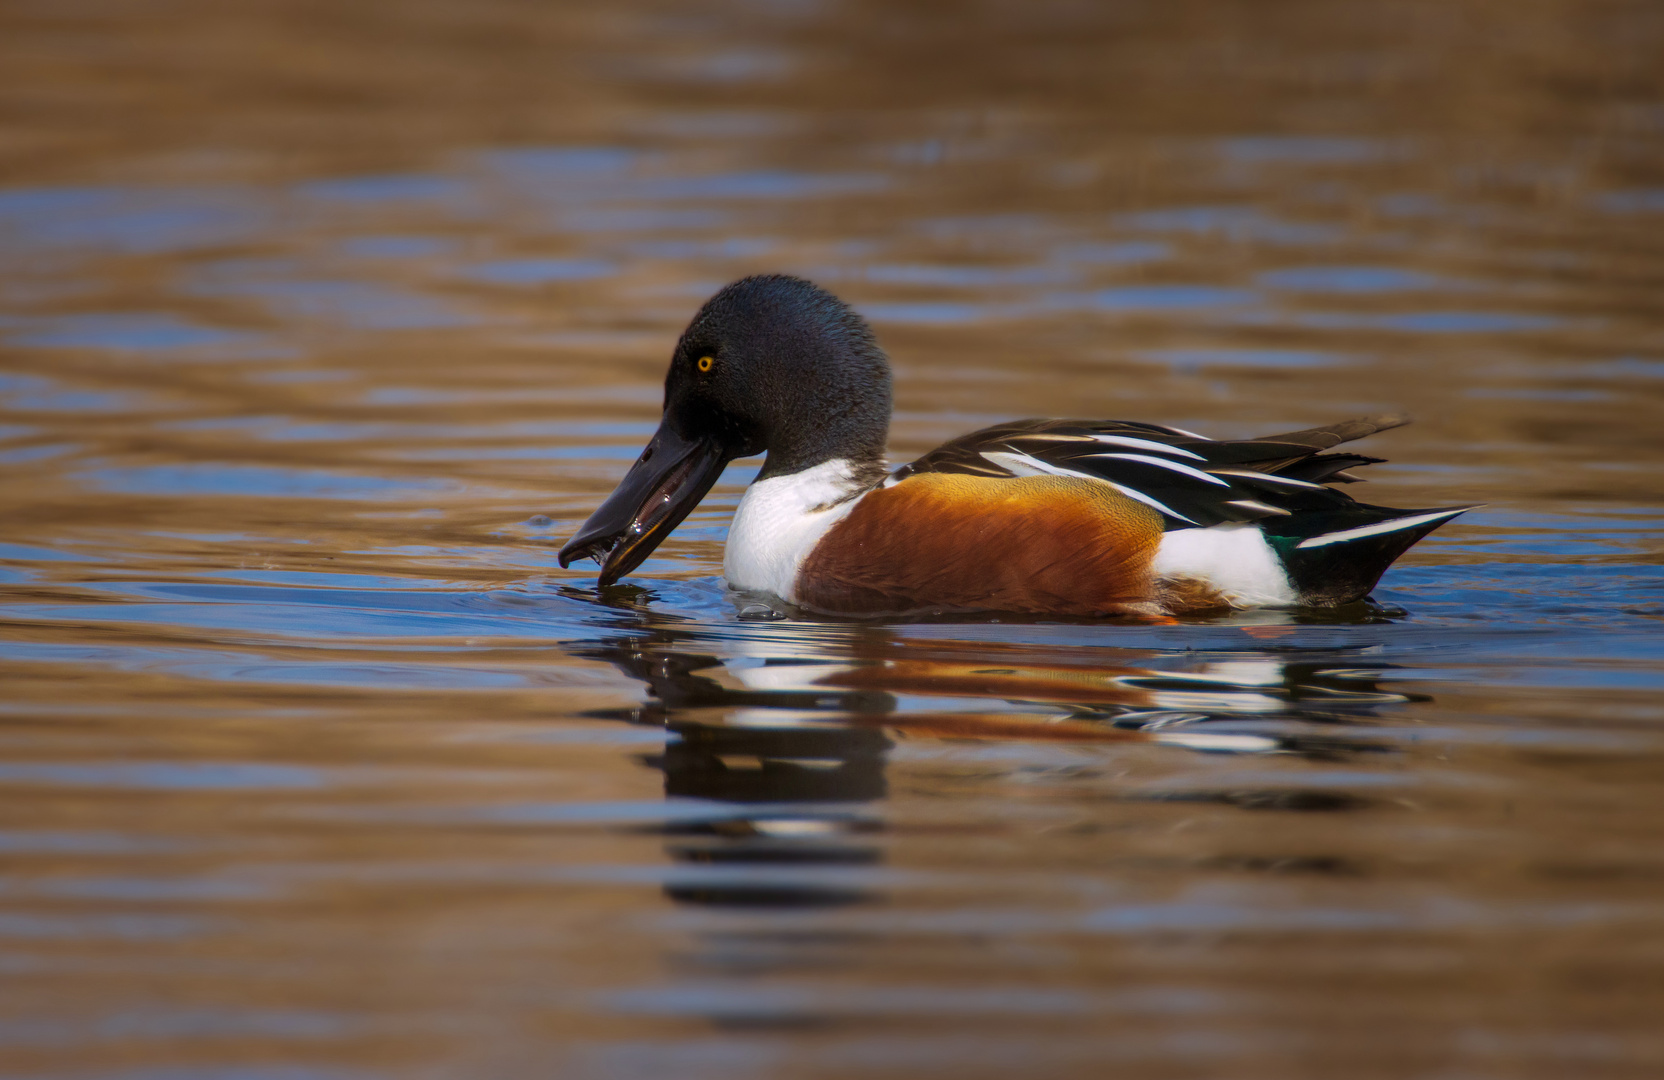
(779, 521)
(1234, 560)
(1395, 525)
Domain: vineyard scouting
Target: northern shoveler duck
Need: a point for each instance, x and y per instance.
(1050, 517)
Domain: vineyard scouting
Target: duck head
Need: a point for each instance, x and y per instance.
(771, 364)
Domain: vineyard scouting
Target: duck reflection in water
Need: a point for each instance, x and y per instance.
(787, 733)
(793, 762)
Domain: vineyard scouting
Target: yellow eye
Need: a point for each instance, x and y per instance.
(706, 363)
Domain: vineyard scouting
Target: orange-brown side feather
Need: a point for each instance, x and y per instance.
(946, 541)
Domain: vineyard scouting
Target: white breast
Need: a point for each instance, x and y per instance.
(779, 521)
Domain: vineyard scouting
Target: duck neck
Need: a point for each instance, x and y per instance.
(851, 441)
(838, 476)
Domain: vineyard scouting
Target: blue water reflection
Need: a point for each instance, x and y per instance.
(32, 393)
(539, 271)
(258, 481)
(137, 332)
(298, 701)
(1351, 279)
(134, 220)
(1239, 224)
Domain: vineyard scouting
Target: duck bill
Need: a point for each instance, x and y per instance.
(661, 488)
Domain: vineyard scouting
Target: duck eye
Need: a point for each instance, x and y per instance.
(706, 363)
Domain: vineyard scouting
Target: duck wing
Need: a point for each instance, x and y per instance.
(1191, 480)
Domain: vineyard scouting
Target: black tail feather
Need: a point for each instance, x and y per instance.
(1328, 468)
(1322, 438)
(1336, 557)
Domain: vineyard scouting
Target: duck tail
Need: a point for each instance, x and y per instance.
(1336, 557)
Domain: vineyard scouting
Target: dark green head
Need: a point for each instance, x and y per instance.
(770, 364)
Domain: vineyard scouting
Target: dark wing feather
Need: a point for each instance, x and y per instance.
(1329, 468)
(1322, 438)
(1189, 479)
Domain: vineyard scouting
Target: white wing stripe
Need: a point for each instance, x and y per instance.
(1146, 444)
(1181, 431)
(1176, 466)
(1155, 504)
(1254, 506)
(1377, 529)
(1273, 478)
(1024, 465)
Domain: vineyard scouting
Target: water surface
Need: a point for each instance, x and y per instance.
(321, 329)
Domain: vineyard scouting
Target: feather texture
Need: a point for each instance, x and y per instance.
(1191, 481)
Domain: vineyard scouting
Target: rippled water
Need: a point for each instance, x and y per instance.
(321, 328)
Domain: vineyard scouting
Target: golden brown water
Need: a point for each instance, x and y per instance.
(322, 325)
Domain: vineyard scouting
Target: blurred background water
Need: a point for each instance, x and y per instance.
(322, 325)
